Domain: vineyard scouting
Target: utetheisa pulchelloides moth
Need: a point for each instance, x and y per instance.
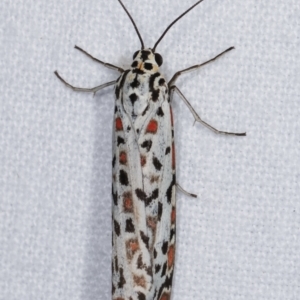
(144, 181)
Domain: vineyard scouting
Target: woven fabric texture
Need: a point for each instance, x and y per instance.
(240, 238)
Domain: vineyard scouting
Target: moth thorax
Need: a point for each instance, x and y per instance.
(136, 100)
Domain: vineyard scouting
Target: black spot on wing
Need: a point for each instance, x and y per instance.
(141, 194)
(140, 263)
(114, 161)
(172, 233)
(157, 164)
(145, 239)
(166, 285)
(161, 81)
(120, 86)
(133, 97)
(164, 269)
(169, 193)
(169, 279)
(147, 144)
(152, 79)
(149, 271)
(120, 141)
(159, 211)
(122, 279)
(168, 150)
(129, 226)
(135, 83)
(152, 197)
(154, 253)
(115, 196)
(169, 190)
(155, 95)
(145, 110)
(160, 112)
(123, 177)
(157, 268)
(117, 228)
(154, 194)
(164, 247)
(141, 296)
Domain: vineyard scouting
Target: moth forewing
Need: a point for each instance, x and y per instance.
(143, 183)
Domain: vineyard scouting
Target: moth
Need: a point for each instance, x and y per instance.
(144, 178)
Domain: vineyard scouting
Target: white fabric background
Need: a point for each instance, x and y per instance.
(240, 238)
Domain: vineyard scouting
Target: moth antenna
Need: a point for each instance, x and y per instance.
(174, 23)
(133, 23)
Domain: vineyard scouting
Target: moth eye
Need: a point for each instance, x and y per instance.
(158, 59)
(135, 54)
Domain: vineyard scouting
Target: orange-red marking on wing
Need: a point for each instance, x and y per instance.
(123, 158)
(134, 246)
(173, 156)
(165, 296)
(152, 127)
(127, 202)
(119, 124)
(173, 215)
(171, 256)
(143, 160)
(140, 280)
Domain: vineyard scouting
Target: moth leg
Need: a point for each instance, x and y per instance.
(177, 74)
(110, 66)
(184, 191)
(91, 90)
(197, 117)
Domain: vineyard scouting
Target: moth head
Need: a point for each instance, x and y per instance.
(157, 57)
(147, 60)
